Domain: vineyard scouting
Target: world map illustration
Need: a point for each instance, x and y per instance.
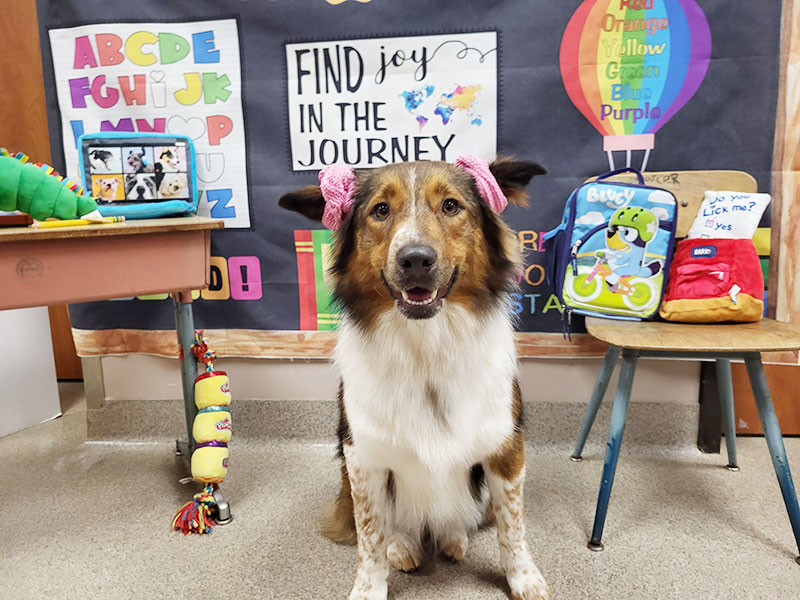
(420, 101)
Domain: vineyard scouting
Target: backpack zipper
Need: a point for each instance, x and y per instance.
(573, 258)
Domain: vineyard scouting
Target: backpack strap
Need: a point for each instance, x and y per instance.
(622, 170)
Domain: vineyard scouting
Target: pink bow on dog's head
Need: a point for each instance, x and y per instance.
(486, 183)
(338, 183)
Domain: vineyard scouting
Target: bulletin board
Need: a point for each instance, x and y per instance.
(273, 91)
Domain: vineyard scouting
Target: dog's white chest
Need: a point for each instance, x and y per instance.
(435, 393)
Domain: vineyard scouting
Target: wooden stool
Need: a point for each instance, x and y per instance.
(720, 343)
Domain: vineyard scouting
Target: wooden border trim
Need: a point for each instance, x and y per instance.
(294, 344)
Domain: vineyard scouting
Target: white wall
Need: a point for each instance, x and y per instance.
(137, 377)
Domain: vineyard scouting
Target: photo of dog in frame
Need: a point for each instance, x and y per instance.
(430, 432)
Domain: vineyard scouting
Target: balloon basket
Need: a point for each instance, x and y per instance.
(628, 144)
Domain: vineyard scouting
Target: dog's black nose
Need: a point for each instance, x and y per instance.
(416, 260)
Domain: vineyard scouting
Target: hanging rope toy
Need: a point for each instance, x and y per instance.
(211, 430)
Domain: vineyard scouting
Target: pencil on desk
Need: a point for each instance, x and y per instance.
(76, 222)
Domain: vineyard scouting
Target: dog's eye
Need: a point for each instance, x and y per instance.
(629, 233)
(451, 207)
(381, 211)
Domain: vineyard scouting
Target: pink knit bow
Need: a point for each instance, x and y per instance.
(338, 183)
(487, 185)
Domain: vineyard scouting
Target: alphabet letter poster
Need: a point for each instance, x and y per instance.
(182, 78)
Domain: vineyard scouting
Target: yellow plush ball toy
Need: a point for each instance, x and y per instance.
(212, 427)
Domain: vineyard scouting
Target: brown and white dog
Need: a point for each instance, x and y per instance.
(430, 407)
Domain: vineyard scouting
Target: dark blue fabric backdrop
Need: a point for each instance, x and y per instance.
(729, 124)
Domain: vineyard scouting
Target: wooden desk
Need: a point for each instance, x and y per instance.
(61, 265)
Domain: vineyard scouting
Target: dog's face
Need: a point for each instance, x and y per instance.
(172, 186)
(140, 187)
(420, 235)
(106, 188)
(136, 161)
(170, 157)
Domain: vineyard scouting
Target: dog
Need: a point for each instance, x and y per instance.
(173, 186)
(170, 159)
(106, 187)
(137, 163)
(430, 408)
(140, 186)
(99, 160)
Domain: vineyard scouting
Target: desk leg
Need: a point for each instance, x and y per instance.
(772, 434)
(184, 325)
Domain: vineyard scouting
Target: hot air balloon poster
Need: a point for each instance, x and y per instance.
(629, 65)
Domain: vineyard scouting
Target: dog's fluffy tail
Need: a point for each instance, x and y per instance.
(337, 523)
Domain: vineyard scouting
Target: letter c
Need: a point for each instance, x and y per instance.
(133, 48)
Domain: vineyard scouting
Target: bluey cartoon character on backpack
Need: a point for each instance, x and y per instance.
(628, 233)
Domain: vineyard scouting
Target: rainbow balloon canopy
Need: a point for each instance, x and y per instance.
(630, 65)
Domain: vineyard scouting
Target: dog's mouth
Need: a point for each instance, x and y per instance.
(421, 302)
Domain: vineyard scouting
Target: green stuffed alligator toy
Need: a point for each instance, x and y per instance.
(38, 190)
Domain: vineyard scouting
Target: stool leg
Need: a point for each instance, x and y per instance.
(618, 415)
(772, 434)
(600, 386)
(184, 325)
(725, 386)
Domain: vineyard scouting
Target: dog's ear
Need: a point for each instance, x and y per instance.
(513, 176)
(307, 201)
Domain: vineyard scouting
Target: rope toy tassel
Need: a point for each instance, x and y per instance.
(195, 516)
(201, 352)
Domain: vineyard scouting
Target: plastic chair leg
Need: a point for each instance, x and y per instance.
(618, 415)
(600, 386)
(725, 385)
(772, 434)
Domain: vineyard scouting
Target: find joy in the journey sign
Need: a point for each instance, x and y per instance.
(629, 65)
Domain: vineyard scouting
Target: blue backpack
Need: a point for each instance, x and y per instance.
(610, 255)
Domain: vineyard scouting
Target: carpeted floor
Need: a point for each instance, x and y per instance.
(92, 521)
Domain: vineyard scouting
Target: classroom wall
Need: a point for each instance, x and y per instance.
(142, 377)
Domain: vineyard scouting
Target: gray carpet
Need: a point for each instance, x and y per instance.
(92, 520)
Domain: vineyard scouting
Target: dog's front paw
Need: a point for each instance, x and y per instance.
(366, 591)
(403, 553)
(528, 584)
(370, 584)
